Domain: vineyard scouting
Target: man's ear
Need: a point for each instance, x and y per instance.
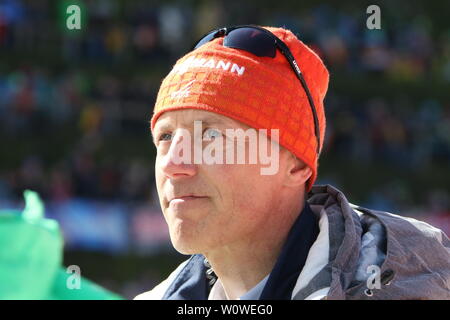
(297, 172)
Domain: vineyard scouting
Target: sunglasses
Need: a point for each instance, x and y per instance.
(262, 43)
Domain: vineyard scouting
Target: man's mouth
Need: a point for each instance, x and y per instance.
(186, 198)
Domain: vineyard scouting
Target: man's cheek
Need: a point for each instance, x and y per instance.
(158, 180)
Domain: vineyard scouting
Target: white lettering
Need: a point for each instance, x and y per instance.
(194, 310)
(223, 65)
(239, 70)
(180, 149)
(373, 282)
(192, 62)
(74, 20)
(210, 64)
(373, 21)
(73, 281)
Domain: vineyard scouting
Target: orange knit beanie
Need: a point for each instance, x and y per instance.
(261, 92)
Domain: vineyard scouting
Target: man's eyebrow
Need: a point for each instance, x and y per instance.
(161, 127)
(224, 121)
(214, 121)
(158, 128)
(206, 121)
(209, 121)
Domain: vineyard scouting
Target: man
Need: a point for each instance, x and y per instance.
(256, 235)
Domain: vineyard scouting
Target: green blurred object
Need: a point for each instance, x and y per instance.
(31, 248)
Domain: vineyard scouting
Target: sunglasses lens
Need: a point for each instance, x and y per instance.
(252, 40)
(205, 39)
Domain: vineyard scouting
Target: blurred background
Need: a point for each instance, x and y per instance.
(75, 107)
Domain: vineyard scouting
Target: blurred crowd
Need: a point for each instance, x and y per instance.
(101, 104)
(409, 46)
(380, 130)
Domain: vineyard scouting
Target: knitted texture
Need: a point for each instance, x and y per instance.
(262, 92)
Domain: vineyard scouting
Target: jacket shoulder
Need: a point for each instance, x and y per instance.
(403, 225)
(418, 257)
(157, 293)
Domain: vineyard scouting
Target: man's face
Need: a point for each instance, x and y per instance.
(208, 206)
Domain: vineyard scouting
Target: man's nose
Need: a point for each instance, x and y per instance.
(178, 162)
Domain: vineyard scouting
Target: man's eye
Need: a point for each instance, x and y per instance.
(210, 134)
(165, 137)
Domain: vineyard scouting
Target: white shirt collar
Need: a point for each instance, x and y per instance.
(218, 293)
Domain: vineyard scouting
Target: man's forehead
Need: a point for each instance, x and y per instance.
(186, 118)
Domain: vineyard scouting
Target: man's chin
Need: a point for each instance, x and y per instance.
(186, 244)
(184, 248)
